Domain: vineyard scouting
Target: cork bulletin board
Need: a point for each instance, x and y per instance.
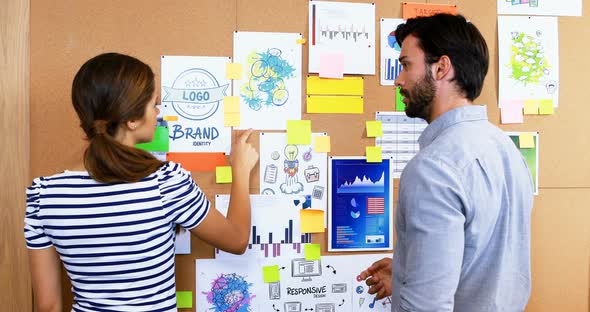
(65, 33)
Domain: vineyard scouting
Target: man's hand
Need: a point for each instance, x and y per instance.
(378, 278)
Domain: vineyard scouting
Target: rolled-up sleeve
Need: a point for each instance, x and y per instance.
(434, 236)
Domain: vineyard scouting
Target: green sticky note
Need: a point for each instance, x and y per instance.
(271, 273)
(223, 174)
(184, 299)
(312, 251)
(374, 128)
(159, 143)
(299, 132)
(546, 107)
(399, 101)
(374, 154)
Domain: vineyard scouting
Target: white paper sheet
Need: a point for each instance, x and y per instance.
(270, 88)
(228, 285)
(293, 169)
(400, 138)
(193, 88)
(528, 59)
(343, 27)
(182, 243)
(390, 50)
(326, 285)
(541, 7)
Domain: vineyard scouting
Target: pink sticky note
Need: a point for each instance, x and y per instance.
(332, 65)
(512, 114)
(512, 103)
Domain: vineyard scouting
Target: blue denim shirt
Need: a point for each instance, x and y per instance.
(463, 220)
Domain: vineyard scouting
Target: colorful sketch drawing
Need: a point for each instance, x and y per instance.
(266, 79)
(230, 292)
(291, 169)
(527, 58)
(530, 3)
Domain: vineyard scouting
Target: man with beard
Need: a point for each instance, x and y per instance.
(465, 200)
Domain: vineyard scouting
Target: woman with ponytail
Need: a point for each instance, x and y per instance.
(110, 221)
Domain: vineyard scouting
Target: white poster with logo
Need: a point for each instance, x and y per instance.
(390, 50)
(270, 88)
(193, 88)
(287, 169)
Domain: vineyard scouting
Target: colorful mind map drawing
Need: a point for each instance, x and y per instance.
(265, 85)
(230, 292)
(527, 58)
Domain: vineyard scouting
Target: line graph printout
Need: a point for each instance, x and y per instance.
(359, 204)
(400, 138)
(528, 59)
(342, 27)
(270, 88)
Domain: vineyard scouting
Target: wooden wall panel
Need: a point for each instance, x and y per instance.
(65, 33)
(15, 280)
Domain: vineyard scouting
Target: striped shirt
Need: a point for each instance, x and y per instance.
(115, 240)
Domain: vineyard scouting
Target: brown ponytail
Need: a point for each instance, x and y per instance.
(107, 91)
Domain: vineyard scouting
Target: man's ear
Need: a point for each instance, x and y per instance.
(443, 69)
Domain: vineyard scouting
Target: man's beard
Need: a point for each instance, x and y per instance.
(420, 97)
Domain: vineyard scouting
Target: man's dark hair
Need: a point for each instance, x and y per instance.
(455, 37)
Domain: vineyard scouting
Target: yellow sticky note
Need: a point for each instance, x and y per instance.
(231, 104)
(170, 118)
(346, 86)
(312, 252)
(233, 71)
(223, 174)
(546, 107)
(312, 220)
(329, 104)
(526, 140)
(299, 132)
(231, 119)
(531, 107)
(271, 273)
(374, 128)
(321, 144)
(184, 299)
(301, 41)
(374, 154)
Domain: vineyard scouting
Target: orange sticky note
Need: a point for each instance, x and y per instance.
(332, 65)
(531, 107)
(411, 10)
(170, 118)
(231, 104)
(301, 41)
(321, 144)
(374, 154)
(511, 114)
(526, 140)
(233, 71)
(312, 220)
(231, 119)
(198, 161)
(546, 107)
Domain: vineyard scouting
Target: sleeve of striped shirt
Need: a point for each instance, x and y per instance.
(183, 201)
(34, 234)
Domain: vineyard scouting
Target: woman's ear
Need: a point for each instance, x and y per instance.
(131, 125)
